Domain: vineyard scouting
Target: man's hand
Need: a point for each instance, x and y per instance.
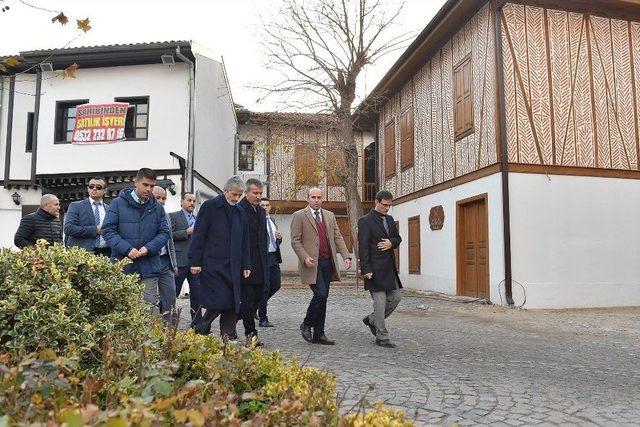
(246, 273)
(308, 262)
(189, 231)
(384, 244)
(368, 276)
(278, 234)
(175, 272)
(133, 254)
(99, 229)
(195, 270)
(143, 251)
(347, 263)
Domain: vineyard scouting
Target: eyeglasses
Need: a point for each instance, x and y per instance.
(386, 205)
(97, 187)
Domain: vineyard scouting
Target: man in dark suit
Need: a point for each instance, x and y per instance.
(274, 259)
(182, 223)
(41, 224)
(253, 285)
(83, 221)
(377, 237)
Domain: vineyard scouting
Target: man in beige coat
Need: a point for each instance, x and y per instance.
(316, 240)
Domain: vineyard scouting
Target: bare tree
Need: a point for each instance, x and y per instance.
(320, 47)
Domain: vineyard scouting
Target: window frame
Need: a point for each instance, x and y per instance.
(28, 147)
(253, 156)
(467, 128)
(67, 104)
(129, 99)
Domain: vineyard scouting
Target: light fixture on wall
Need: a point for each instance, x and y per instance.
(16, 198)
(172, 189)
(46, 67)
(167, 59)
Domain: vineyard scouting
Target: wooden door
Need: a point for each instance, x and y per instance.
(473, 248)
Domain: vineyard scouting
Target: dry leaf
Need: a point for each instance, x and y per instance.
(61, 18)
(84, 24)
(70, 71)
(3, 69)
(11, 61)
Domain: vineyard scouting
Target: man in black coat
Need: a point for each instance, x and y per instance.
(253, 286)
(274, 259)
(377, 237)
(41, 224)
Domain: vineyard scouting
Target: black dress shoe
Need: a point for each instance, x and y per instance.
(372, 328)
(385, 343)
(306, 333)
(323, 340)
(266, 324)
(255, 316)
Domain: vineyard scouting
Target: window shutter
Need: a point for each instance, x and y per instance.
(305, 164)
(463, 98)
(335, 162)
(389, 150)
(406, 137)
(414, 245)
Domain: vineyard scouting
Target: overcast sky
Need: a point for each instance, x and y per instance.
(230, 29)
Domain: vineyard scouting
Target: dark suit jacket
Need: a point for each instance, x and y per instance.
(80, 225)
(372, 260)
(257, 221)
(181, 239)
(278, 242)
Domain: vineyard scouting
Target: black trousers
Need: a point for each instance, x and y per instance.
(317, 311)
(228, 319)
(250, 298)
(270, 288)
(106, 251)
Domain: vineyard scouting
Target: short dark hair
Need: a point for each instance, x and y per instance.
(384, 195)
(98, 178)
(255, 182)
(185, 194)
(146, 173)
(265, 199)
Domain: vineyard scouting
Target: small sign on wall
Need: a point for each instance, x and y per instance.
(436, 217)
(99, 123)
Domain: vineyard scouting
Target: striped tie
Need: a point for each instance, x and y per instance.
(96, 217)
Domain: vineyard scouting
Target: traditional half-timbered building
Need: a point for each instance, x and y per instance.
(509, 133)
(293, 152)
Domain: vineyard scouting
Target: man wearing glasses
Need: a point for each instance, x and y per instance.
(83, 221)
(377, 237)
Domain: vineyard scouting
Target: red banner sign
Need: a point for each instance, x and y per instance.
(99, 123)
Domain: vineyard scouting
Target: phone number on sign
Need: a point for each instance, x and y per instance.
(91, 135)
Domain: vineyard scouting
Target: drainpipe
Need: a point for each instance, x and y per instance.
(1, 101)
(504, 158)
(190, 148)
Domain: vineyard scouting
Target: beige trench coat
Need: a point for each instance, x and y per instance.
(305, 243)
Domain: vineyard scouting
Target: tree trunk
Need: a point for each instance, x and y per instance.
(350, 176)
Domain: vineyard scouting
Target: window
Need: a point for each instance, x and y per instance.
(389, 150)
(414, 245)
(66, 120)
(463, 108)
(245, 156)
(29, 145)
(136, 126)
(406, 139)
(335, 162)
(306, 164)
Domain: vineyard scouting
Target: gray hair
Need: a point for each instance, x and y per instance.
(255, 182)
(312, 189)
(234, 183)
(46, 198)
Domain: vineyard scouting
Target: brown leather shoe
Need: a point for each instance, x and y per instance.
(323, 340)
(306, 333)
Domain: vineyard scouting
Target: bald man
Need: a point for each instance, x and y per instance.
(41, 224)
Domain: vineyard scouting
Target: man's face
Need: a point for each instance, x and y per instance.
(315, 199)
(266, 205)
(233, 196)
(188, 202)
(160, 195)
(253, 194)
(97, 188)
(52, 206)
(383, 206)
(144, 187)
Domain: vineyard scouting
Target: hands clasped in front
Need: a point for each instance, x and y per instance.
(137, 253)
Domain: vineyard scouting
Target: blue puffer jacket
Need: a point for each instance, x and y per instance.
(129, 225)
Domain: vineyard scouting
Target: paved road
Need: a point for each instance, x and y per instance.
(472, 364)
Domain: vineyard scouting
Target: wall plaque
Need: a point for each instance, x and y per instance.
(436, 217)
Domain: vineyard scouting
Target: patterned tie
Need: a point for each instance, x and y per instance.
(317, 215)
(272, 239)
(192, 220)
(96, 217)
(384, 223)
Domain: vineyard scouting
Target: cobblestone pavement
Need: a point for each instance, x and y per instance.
(470, 364)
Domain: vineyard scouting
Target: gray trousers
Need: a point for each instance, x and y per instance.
(160, 293)
(150, 293)
(384, 303)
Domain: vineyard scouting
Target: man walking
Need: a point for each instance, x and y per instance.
(219, 253)
(41, 224)
(83, 221)
(377, 237)
(136, 227)
(166, 280)
(274, 259)
(316, 239)
(253, 285)
(182, 223)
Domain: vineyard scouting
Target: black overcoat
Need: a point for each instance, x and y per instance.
(373, 260)
(258, 243)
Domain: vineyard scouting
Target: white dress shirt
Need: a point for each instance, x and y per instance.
(103, 212)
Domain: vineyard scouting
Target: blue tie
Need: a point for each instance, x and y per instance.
(192, 220)
(272, 239)
(96, 217)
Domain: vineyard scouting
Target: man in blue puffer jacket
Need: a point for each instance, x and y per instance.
(136, 227)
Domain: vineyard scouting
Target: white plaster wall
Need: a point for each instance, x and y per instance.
(4, 102)
(575, 240)
(24, 103)
(167, 88)
(438, 248)
(215, 122)
(10, 213)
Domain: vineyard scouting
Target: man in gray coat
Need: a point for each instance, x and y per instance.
(166, 282)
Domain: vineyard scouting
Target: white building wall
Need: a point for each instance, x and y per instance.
(167, 89)
(23, 103)
(10, 213)
(574, 240)
(438, 248)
